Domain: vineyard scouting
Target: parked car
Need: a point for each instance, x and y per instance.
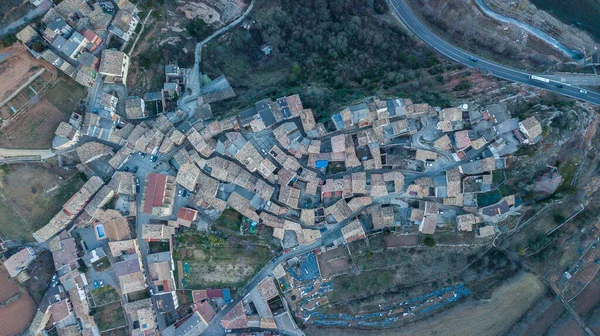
(134, 170)
(137, 181)
(180, 193)
(126, 169)
(151, 291)
(101, 283)
(95, 283)
(183, 193)
(142, 154)
(153, 158)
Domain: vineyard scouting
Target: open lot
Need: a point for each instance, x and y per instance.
(492, 317)
(414, 264)
(34, 126)
(19, 66)
(105, 295)
(333, 262)
(110, 316)
(210, 261)
(31, 194)
(40, 271)
(230, 220)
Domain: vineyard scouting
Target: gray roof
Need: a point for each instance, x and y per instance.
(507, 126)
(126, 267)
(264, 109)
(247, 116)
(86, 59)
(496, 209)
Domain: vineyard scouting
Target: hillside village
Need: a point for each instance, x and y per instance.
(156, 174)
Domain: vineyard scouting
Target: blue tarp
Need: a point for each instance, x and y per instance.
(321, 164)
(226, 295)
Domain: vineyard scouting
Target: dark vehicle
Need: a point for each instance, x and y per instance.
(137, 189)
(473, 59)
(134, 170)
(560, 86)
(142, 154)
(153, 158)
(126, 169)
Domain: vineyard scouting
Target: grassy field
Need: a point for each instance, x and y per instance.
(386, 270)
(110, 316)
(231, 220)
(210, 261)
(30, 195)
(494, 317)
(66, 94)
(105, 295)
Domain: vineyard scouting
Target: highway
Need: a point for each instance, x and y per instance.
(405, 14)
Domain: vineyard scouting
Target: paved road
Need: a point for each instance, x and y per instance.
(187, 103)
(39, 10)
(43, 153)
(404, 13)
(576, 79)
(532, 30)
(215, 328)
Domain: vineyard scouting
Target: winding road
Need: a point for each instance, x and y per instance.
(187, 102)
(405, 14)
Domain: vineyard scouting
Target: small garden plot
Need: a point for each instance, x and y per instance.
(109, 316)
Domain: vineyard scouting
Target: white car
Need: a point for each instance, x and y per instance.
(583, 91)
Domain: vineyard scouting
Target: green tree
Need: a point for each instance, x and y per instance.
(296, 72)
(429, 241)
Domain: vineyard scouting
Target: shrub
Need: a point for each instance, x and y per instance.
(429, 241)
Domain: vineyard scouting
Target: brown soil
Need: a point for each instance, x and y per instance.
(30, 195)
(588, 299)
(38, 123)
(19, 66)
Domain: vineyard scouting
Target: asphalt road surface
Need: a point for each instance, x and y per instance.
(405, 14)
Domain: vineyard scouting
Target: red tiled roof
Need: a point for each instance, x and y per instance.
(155, 191)
(199, 295)
(186, 214)
(235, 318)
(214, 293)
(206, 311)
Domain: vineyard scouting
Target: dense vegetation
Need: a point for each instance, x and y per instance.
(331, 52)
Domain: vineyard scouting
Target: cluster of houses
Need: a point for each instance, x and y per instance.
(277, 167)
(73, 32)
